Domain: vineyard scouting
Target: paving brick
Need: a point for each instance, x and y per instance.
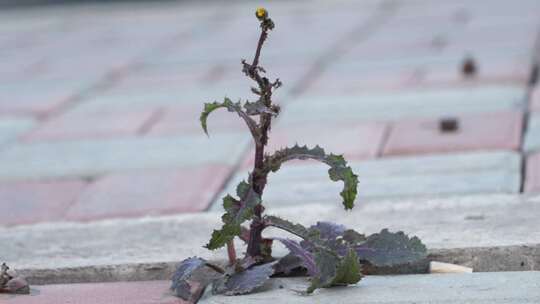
(398, 105)
(150, 192)
(535, 99)
(185, 120)
(100, 125)
(147, 292)
(37, 99)
(11, 128)
(355, 141)
(433, 175)
(532, 135)
(493, 131)
(96, 157)
(30, 202)
(532, 179)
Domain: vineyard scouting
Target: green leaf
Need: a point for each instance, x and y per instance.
(327, 263)
(339, 170)
(349, 270)
(237, 211)
(319, 254)
(231, 107)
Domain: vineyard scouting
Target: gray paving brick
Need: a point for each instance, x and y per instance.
(93, 157)
(437, 175)
(390, 106)
(11, 128)
(532, 136)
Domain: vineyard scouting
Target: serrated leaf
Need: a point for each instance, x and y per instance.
(389, 249)
(236, 213)
(231, 107)
(296, 229)
(245, 281)
(339, 171)
(191, 277)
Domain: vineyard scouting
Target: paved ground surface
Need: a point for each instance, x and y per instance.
(99, 108)
(509, 287)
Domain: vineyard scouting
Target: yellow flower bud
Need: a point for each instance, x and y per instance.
(261, 13)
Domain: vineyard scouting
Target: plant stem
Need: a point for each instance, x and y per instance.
(231, 252)
(258, 176)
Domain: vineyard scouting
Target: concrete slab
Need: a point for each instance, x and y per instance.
(476, 288)
(486, 232)
(532, 135)
(397, 105)
(445, 174)
(94, 157)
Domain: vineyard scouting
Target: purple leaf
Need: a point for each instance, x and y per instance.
(191, 277)
(328, 230)
(308, 260)
(288, 264)
(245, 281)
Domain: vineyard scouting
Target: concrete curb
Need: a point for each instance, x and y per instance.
(485, 232)
(481, 259)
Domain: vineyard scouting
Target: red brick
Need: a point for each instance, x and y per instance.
(96, 125)
(150, 192)
(476, 132)
(535, 99)
(355, 141)
(145, 292)
(183, 120)
(532, 179)
(30, 202)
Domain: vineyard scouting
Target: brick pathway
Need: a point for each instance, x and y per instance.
(99, 105)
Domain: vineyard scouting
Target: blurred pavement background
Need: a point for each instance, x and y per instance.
(100, 103)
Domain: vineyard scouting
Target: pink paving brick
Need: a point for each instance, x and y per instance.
(30, 202)
(146, 292)
(185, 120)
(532, 179)
(535, 99)
(28, 101)
(151, 192)
(355, 141)
(96, 125)
(488, 131)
